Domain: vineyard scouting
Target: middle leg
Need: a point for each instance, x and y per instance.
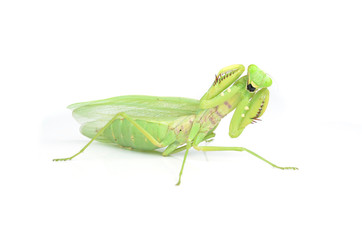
(240, 149)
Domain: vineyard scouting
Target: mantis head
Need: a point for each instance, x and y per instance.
(257, 78)
(254, 100)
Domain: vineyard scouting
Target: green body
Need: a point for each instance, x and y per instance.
(147, 123)
(160, 116)
(168, 119)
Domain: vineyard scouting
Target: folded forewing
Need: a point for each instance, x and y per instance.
(148, 108)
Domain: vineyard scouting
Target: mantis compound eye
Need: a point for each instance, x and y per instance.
(250, 88)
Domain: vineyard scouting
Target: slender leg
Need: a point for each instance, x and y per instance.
(193, 132)
(188, 146)
(240, 149)
(117, 116)
(172, 149)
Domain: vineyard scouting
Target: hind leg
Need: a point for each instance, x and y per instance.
(117, 116)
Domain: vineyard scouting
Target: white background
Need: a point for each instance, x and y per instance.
(54, 53)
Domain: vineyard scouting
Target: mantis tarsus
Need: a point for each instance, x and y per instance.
(148, 123)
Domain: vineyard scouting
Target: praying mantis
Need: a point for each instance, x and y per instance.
(176, 124)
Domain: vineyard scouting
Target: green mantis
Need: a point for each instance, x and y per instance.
(148, 123)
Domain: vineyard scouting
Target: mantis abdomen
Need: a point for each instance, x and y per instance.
(125, 134)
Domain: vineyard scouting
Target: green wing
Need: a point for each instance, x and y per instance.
(94, 115)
